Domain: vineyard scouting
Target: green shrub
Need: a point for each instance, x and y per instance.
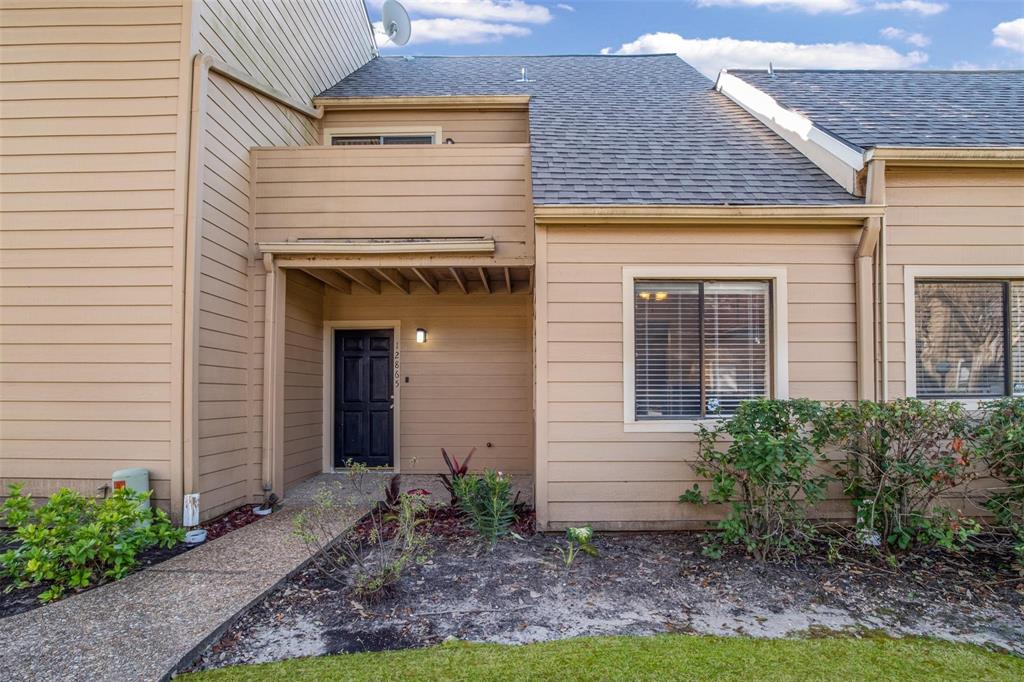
(761, 463)
(487, 502)
(998, 440)
(901, 457)
(73, 542)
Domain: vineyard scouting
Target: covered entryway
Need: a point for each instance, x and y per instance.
(384, 359)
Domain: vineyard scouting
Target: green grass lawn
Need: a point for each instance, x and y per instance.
(665, 657)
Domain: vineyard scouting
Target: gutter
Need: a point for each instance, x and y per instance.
(621, 214)
(485, 102)
(947, 155)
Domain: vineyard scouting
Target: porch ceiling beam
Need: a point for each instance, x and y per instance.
(483, 278)
(394, 278)
(331, 278)
(460, 279)
(508, 280)
(362, 278)
(428, 279)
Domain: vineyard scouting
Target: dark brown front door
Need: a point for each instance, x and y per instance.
(363, 397)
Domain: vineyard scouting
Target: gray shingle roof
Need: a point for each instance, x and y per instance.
(905, 108)
(619, 130)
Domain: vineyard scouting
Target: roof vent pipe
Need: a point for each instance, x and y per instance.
(522, 76)
(771, 70)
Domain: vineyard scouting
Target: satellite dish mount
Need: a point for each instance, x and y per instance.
(396, 22)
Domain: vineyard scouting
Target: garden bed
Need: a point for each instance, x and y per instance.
(640, 584)
(13, 601)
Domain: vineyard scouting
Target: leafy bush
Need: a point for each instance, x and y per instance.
(487, 503)
(73, 542)
(761, 463)
(372, 559)
(456, 470)
(902, 456)
(998, 440)
(579, 540)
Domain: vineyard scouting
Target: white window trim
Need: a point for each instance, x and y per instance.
(911, 273)
(328, 387)
(435, 131)
(779, 338)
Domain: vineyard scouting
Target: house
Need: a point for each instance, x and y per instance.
(565, 262)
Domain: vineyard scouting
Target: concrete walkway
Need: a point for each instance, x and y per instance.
(139, 628)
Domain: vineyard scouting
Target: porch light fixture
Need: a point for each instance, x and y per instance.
(421, 335)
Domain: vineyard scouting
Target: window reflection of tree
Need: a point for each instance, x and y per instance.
(961, 340)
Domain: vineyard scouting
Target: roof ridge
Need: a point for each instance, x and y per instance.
(523, 56)
(916, 71)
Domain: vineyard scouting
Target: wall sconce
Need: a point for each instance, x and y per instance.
(421, 335)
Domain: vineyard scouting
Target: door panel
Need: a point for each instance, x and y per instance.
(364, 397)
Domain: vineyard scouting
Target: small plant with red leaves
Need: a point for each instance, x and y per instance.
(456, 470)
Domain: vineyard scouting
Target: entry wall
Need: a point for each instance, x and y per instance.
(590, 470)
(470, 384)
(303, 378)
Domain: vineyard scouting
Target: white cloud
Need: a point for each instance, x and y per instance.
(915, 39)
(1010, 34)
(710, 55)
(565, 7)
(467, 31)
(925, 8)
(515, 11)
(810, 6)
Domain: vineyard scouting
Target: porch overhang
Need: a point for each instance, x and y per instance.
(344, 247)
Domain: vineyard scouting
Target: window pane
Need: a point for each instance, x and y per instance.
(353, 140)
(735, 344)
(408, 139)
(960, 339)
(667, 349)
(1017, 337)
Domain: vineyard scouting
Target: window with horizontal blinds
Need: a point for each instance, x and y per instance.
(962, 329)
(701, 347)
(356, 140)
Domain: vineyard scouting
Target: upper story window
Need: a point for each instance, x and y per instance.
(969, 338)
(347, 140)
(700, 347)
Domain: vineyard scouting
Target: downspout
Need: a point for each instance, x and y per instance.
(875, 194)
(202, 65)
(866, 299)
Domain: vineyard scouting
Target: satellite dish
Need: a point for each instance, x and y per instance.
(396, 22)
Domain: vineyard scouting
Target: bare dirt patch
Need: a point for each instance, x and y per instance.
(640, 584)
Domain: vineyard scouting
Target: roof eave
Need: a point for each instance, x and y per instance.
(767, 214)
(948, 156)
(492, 102)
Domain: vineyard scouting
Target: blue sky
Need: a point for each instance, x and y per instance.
(711, 34)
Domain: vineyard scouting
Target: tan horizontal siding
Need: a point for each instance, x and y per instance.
(463, 127)
(88, 169)
(397, 192)
(303, 376)
(469, 385)
(596, 471)
(300, 47)
(946, 216)
(230, 330)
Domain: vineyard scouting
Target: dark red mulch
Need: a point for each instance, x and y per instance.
(233, 520)
(27, 598)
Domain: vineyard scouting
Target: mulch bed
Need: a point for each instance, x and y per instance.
(640, 584)
(13, 601)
